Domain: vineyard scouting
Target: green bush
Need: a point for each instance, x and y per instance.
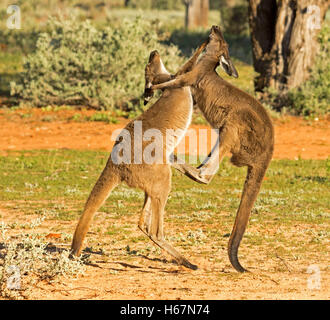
(156, 4)
(75, 63)
(22, 40)
(312, 97)
(235, 19)
(187, 40)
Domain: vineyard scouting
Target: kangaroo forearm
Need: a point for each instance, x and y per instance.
(186, 79)
(161, 78)
(192, 61)
(168, 84)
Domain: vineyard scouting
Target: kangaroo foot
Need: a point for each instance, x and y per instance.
(199, 178)
(196, 175)
(76, 248)
(174, 253)
(192, 172)
(74, 253)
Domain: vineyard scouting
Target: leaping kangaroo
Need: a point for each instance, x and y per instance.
(173, 110)
(245, 129)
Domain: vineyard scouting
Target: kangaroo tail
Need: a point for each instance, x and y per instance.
(250, 191)
(104, 185)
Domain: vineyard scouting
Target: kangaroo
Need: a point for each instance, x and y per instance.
(245, 129)
(173, 110)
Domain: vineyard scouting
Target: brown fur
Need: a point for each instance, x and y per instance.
(246, 130)
(171, 111)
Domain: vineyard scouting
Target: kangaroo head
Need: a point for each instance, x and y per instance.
(155, 72)
(218, 48)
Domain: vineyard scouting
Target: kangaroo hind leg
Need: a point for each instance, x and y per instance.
(104, 185)
(157, 236)
(145, 217)
(156, 233)
(250, 192)
(205, 172)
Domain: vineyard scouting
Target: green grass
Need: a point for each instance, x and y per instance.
(245, 78)
(102, 117)
(290, 217)
(293, 190)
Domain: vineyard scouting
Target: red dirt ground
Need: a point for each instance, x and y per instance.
(36, 129)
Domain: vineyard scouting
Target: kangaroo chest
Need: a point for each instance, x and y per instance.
(180, 121)
(213, 105)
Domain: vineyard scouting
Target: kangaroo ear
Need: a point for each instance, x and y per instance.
(227, 65)
(148, 93)
(153, 54)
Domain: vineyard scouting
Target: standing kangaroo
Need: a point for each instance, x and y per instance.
(173, 110)
(245, 129)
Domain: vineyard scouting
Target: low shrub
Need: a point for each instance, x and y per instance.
(26, 259)
(76, 63)
(234, 19)
(155, 4)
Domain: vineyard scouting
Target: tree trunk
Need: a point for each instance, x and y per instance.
(284, 40)
(197, 12)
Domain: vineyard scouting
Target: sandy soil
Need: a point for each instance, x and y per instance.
(153, 277)
(113, 274)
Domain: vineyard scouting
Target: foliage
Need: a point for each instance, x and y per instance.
(27, 257)
(186, 40)
(24, 40)
(102, 117)
(75, 63)
(156, 4)
(234, 19)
